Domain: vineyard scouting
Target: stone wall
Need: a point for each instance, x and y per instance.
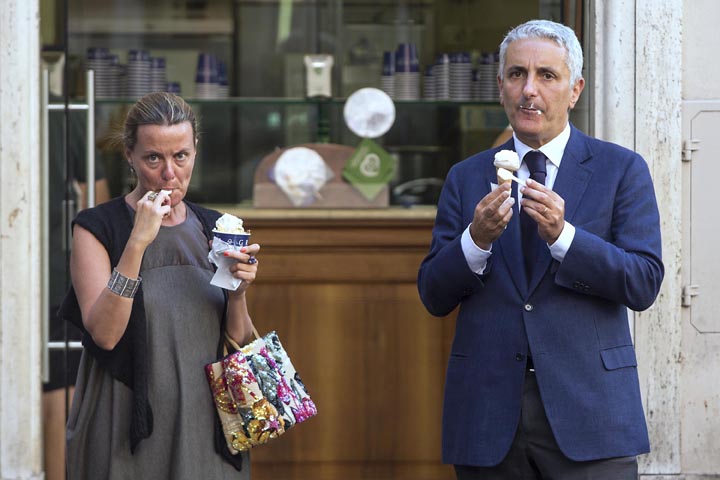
(20, 251)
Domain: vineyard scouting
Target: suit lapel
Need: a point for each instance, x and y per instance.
(574, 174)
(571, 182)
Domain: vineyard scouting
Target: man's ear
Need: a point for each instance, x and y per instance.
(576, 91)
(500, 89)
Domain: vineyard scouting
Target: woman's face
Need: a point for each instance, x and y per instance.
(163, 159)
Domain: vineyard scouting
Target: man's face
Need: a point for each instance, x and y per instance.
(536, 91)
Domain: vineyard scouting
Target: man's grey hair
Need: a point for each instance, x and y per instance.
(560, 34)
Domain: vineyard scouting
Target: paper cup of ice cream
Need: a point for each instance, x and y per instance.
(236, 240)
(229, 229)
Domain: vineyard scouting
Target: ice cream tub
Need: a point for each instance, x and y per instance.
(229, 229)
(236, 240)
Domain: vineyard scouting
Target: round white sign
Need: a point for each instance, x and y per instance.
(369, 112)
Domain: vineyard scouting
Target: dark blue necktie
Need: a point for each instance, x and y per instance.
(531, 243)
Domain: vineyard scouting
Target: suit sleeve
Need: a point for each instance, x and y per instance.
(445, 278)
(626, 267)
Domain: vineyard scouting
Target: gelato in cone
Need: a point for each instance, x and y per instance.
(507, 159)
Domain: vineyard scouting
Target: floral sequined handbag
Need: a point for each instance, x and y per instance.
(258, 393)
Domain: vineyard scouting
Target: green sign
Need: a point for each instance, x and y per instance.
(369, 169)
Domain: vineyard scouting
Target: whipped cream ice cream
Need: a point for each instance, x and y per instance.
(507, 159)
(228, 223)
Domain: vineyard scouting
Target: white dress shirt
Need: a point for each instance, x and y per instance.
(477, 257)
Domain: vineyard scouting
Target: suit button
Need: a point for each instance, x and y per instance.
(577, 285)
(519, 357)
(528, 307)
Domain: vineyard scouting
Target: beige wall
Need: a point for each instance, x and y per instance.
(700, 389)
(700, 50)
(636, 85)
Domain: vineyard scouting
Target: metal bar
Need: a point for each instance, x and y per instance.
(90, 145)
(45, 194)
(45, 225)
(72, 106)
(62, 345)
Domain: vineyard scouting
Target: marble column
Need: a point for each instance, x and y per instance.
(20, 251)
(636, 97)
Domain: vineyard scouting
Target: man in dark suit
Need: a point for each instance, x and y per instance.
(542, 378)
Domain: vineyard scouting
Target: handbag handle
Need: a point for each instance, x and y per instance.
(230, 341)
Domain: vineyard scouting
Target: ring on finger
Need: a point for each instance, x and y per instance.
(152, 196)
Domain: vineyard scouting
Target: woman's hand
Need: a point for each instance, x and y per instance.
(239, 324)
(149, 213)
(246, 266)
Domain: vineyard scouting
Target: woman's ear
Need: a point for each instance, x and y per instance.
(128, 158)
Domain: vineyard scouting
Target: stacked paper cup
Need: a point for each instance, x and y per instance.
(206, 77)
(174, 87)
(429, 83)
(98, 60)
(158, 74)
(407, 72)
(441, 76)
(475, 85)
(139, 69)
(460, 76)
(223, 87)
(487, 78)
(117, 77)
(387, 79)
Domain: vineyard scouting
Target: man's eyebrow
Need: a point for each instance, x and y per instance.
(544, 69)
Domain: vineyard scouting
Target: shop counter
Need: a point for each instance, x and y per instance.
(339, 287)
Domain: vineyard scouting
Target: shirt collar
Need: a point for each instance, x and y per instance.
(553, 150)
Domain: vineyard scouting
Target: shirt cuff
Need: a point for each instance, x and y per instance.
(559, 249)
(475, 256)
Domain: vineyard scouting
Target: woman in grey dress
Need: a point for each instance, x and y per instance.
(141, 292)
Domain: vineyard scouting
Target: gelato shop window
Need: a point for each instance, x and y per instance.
(275, 74)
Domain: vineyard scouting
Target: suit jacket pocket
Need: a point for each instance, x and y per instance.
(619, 357)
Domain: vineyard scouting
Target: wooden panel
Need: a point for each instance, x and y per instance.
(364, 266)
(373, 365)
(352, 471)
(344, 302)
(345, 234)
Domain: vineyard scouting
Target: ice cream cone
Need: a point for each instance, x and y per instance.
(508, 160)
(500, 181)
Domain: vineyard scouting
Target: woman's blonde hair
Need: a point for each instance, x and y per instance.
(160, 108)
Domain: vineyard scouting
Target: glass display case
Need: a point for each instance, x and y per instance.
(259, 103)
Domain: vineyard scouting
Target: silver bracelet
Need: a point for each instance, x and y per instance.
(121, 285)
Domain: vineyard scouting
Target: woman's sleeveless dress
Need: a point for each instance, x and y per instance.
(183, 316)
